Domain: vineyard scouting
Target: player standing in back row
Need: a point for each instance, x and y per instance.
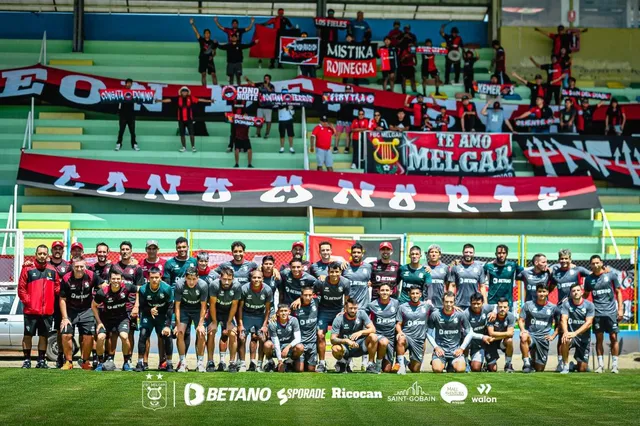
(466, 277)
(190, 303)
(384, 270)
(605, 288)
(413, 275)
(359, 275)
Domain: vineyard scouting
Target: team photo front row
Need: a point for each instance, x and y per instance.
(381, 312)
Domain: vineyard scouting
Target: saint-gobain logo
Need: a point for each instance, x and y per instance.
(154, 395)
(454, 392)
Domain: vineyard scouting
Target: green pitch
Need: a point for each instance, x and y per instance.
(87, 398)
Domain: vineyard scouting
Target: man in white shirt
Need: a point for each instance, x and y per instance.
(285, 125)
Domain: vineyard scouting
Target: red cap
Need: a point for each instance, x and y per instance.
(297, 244)
(57, 244)
(386, 244)
(77, 245)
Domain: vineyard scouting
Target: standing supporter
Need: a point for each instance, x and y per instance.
(343, 124)
(285, 125)
(360, 29)
(499, 63)
(537, 89)
(401, 123)
(377, 122)
(430, 70)
(321, 140)
(127, 118)
(359, 125)
(237, 107)
(584, 120)
(407, 38)
(408, 67)
(468, 115)
(495, 118)
(76, 294)
(235, 56)
(454, 42)
(539, 111)
(395, 35)
(388, 63)
(207, 53)
(235, 29)
(565, 63)
(554, 78)
(572, 87)
(307, 70)
(567, 117)
(470, 58)
(185, 104)
(328, 34)
(242, 143)
(419, 107)
(560, 40)
(280, 23)
(264, 112)
(38, 288)
(615, 119)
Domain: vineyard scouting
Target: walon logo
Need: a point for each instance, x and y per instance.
(484, 390)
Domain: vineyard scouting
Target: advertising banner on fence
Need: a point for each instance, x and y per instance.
(348, 60)
(440, 153)
(612, 158)
(298, 188)
(299, 50)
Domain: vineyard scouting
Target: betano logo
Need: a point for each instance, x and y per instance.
(411, 394)
(484, 390)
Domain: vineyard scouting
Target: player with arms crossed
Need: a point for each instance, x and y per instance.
(115, 318)
(449, 325)
(285, 341)
(190, 304)
(478, 315)
(577, 318)
(605, 288)
(353, 335)
(156, 312)
(224, 297)
(501, 331)
(411, 326)
(535, 321)
(253, 317)
(307, 314)
(383, 312)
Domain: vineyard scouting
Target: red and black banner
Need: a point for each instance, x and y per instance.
(425, 50)
(298, 188)
(270, 99)
(300, 50)
(440, 153)
(486, 88)
(135, 96)
(331, 23)
(240, 93)
(585, 94)
(348, 98)
(612, 158)
(244, 120)
(350, 60)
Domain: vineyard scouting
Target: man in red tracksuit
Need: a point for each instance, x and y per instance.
(38, 287)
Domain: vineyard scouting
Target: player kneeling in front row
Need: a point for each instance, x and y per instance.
(353, 335)
(501, 331)
(577, 317)
(449, 325)
(536, 319)
(478, 314)
(285, 342)
(411, 327)
(190, 301)
(156, 311)
(115, 318)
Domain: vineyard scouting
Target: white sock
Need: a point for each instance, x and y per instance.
(182, 357)
(379, 363)
(401, 361)
(614, 360)
(200, 358)
(322, 362)
(253, 360)
(260, 364)
(560, 361)
(365, 359)
(527, 361)
(507, 359)
(600, 361)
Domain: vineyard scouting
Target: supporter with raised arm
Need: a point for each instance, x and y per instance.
(495, 118)
(584, 120)
(555, 75)
(235, 56)
(127, 118)
(207, 53)
(560, 39)
(280, 23)
(539, 111)
(185, 104)
(235, 29)
(454, 42)
(537, 89)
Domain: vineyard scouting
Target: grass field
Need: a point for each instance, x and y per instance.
(79, 397)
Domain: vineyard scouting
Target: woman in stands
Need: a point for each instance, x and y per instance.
(615, 120)
(185, 104)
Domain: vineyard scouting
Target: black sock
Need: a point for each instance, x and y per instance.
(110, 357)
(94, 355)
(41, 355)
(27, 354)
(127, 358)
(101, 358)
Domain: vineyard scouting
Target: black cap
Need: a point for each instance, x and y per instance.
(407, 26)
(465, 98)
(396, 23)
(454, 30)
(330, 11)
(538, 76)
(324, 118)
(560, 27)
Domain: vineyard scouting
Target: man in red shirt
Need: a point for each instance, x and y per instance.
(185, 115)
(358, 126)
(430, 70)
(407, 68)
(395, 35)
(280, 23)
(560, 39)
(234, 29)
(468, 115)
(321, 140)
(38, 287)
(555, 75)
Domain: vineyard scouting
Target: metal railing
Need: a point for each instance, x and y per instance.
(305, 143)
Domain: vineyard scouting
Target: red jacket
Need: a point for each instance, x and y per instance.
(38, 288)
